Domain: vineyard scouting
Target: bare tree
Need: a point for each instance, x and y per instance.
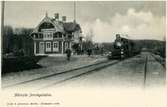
(7, 39)
(89, 36)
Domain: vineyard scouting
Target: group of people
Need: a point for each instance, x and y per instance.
(68, 53)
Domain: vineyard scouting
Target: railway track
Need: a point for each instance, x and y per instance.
(149, 74)
(145, 70)
(162, 62)
(153, 76)
(145, 79)
(84, 72)
(58, 78)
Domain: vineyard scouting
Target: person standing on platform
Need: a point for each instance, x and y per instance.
(89, 51)
(68, 53)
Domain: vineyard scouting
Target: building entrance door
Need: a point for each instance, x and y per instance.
(41, 48)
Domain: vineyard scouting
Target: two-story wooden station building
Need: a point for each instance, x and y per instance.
(54, 36)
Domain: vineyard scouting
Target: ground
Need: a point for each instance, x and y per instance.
(50, 65)
(139, 71)
(126, 74)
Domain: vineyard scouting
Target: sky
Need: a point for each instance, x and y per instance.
(135, 19)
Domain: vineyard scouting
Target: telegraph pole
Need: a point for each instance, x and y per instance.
(2, 16)
(2, 30)
(2, 24)
(74, 11)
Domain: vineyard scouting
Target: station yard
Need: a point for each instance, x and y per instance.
(50, 65)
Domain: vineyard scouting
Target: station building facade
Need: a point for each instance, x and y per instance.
(54, 36)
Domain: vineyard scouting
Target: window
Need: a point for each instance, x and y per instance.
(55, 46)
(60, 35)
(36, 36)
(57, 35)
(48, 46)
(45, 36)
(69, 36)
(40, 35)
(48, 35)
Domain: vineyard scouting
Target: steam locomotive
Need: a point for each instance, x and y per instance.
(123, 48)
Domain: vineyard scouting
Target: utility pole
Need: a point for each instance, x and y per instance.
(74, 11)
(2, 16)
(2, 23)
(2, 28)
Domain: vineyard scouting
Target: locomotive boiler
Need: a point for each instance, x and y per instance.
(123, 48)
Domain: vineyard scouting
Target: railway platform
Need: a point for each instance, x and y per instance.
(50, 65)
(140, 71)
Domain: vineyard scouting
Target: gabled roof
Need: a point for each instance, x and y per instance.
(59, 25)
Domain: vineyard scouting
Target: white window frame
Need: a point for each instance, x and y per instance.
(48, 35)
(48, 49)
(55, 49)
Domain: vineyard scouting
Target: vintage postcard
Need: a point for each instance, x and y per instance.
(83, 53)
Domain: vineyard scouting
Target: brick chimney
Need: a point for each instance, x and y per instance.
(56, 16)
(64, 18)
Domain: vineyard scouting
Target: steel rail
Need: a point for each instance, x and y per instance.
(158, 60)
(55, 74)
(145, 71)
(95, 69)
